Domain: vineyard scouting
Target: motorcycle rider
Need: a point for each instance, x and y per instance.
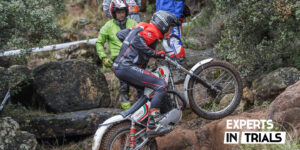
(138, 46)
(119, 11)
(133, 9)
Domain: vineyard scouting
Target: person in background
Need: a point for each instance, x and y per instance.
(173, 44)
(133, 9)
(119, 12)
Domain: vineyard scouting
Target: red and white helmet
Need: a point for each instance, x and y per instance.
(116, 5)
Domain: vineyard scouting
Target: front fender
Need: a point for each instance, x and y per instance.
(188, 77)
(102, 130)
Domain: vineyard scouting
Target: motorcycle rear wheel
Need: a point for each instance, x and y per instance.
(117, 138)
(209, 104)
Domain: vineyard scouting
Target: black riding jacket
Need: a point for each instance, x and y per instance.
(138, 45)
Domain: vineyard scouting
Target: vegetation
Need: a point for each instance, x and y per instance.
(260, 36)
(29, 23)
(202, 30)
(256, 36)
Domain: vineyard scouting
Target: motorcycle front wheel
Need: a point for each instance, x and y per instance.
(117, 138)
(208, 103)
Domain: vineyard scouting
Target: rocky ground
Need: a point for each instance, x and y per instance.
(51, 106)
(60, 97)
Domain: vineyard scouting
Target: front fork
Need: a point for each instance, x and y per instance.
(132, 135)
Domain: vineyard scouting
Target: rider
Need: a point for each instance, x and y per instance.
(119, 11)
(138, 46)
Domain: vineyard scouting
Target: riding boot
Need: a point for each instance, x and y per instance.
(125, 103)
(153, 126)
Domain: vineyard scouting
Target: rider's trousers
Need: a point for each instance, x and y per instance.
(142, 78)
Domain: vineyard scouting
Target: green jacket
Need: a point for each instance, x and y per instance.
(108, 32)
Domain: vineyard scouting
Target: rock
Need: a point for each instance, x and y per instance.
(75, 8)
(71, 85)
(248, 95)
(81, 51)
(68, 124)
(225, 101)
(211, 136)
(246, 101)
(208, 137)
(271, 85)
(83, 21)
(194, 56)
(39, 58)
(13, 139)
(242, 107)
(285, 108)
(178, 139)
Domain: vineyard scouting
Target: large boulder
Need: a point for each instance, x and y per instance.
(71, 85)
(178, 139)
(271, 85)
(208, 137)
(13, 139)
(211, 136)
(67, 124)
(285, 108)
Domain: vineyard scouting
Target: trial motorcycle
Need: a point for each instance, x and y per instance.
(212, 89)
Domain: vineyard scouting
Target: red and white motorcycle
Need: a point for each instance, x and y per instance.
(206, 86)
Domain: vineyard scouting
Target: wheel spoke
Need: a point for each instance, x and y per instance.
(219, 78)
(228, 92)
(197, 87)
(227, 84)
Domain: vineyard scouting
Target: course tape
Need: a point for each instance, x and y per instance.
(48, 47)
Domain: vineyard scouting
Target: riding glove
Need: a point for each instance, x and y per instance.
(107, 62)
(160, 54)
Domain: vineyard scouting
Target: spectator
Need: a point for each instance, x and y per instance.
(119, 11)
(133, 9)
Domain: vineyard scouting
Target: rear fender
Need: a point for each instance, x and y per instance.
(188, 77)
(103, 129)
